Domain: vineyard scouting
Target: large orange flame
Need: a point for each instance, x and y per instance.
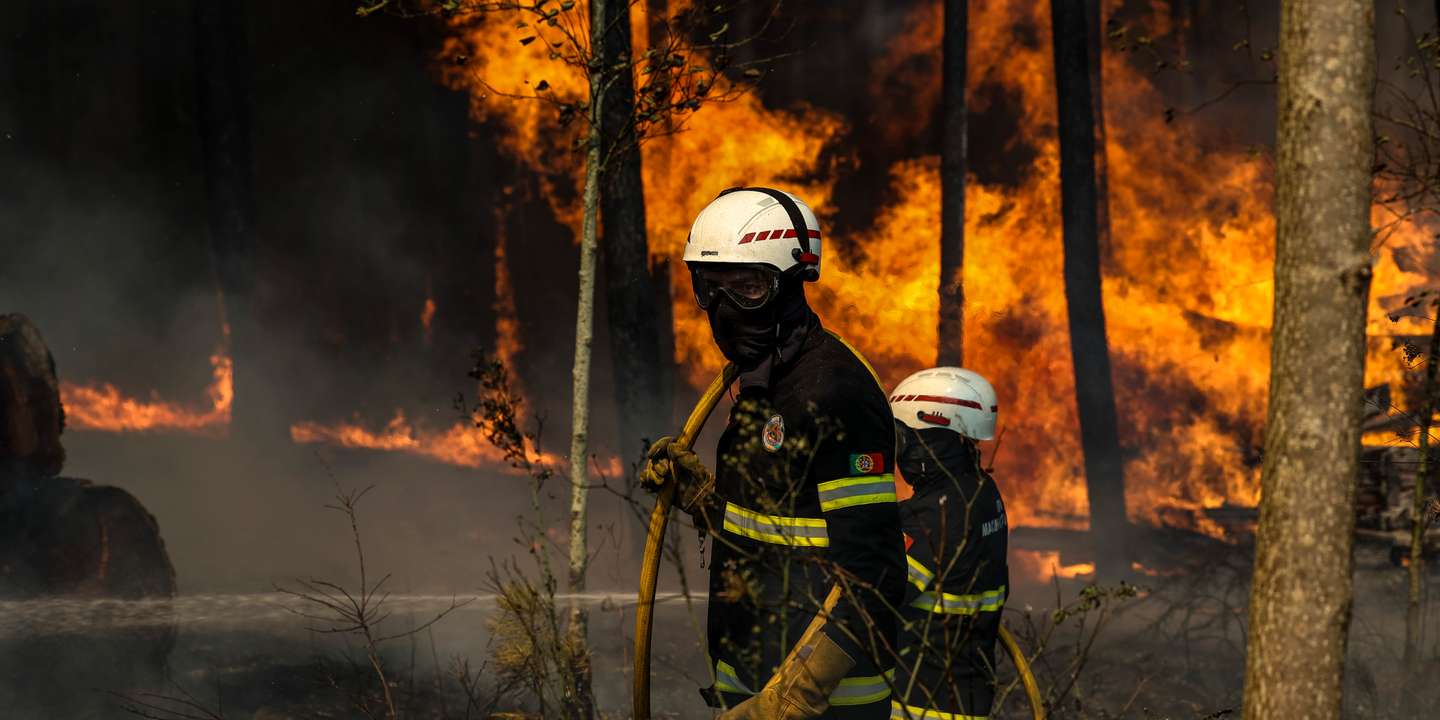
(461, 444)
(1188, 283)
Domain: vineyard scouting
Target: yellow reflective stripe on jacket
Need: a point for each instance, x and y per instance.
(776, 529)
(862, 690)
(863, 490)
(899, 711)
(727, 680)
(920, 576)
(988, 601)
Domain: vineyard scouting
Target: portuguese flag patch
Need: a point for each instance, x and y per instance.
(867, 464)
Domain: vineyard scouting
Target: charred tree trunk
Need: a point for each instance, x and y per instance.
(1095, 54)
(222, 66)
(1090, 352)
(641, 372)
(951, 335)
(1301, 595)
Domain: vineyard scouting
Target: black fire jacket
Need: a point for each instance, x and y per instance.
(807, 494)
(956, 537)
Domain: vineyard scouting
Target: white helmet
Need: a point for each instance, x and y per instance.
(762, 226)
(947, 397)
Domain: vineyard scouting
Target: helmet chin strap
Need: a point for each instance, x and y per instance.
(806, 259)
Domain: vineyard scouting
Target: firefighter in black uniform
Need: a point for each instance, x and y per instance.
(804, 494)
(955, 538)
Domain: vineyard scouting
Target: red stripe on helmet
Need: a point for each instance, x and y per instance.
(814, 234)
(748, 237)
(763, 234)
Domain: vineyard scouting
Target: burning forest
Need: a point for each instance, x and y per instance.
(353, 354)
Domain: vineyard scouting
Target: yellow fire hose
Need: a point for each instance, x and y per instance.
(659, 518)
(650, 573)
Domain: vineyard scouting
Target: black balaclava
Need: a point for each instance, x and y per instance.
(756, 340)
(932, 454)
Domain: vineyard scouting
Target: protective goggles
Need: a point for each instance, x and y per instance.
(749, 287)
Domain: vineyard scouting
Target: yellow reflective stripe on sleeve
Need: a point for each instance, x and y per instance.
(988, 601)
(727, 680)
(776, 529)
(862, 690)
(899, 711)
(849, 492)
(920, 576)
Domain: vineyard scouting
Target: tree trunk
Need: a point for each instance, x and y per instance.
(641, 372)
(1417, 509)
(222, 64)
(1095, 54)
(1094, 392)
(951, 335)
(581, 703)
(1300, 598)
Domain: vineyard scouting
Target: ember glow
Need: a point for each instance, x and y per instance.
(427, 316)
(1188, 279)
(102, 406)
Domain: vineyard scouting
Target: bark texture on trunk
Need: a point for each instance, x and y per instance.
(1089, 349)
(953, 133)
(1301, 596)
(642, 370)
(222, 67)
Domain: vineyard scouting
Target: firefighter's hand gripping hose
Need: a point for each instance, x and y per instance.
(650, 570)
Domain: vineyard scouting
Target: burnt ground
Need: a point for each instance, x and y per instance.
(1173, 650)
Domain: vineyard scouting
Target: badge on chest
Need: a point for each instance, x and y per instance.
(774, 435)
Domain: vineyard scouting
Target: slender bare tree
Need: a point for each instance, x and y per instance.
(1301, 595)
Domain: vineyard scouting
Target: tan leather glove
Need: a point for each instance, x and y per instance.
(802, 686)
(667, 462)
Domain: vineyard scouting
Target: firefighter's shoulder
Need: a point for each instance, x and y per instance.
(845, 375)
